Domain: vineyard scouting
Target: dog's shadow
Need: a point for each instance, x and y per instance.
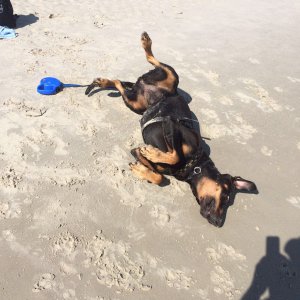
(114, 93)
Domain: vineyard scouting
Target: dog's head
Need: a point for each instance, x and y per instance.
(216, 195)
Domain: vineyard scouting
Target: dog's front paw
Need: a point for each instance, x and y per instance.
(89, 88)
(96, 82)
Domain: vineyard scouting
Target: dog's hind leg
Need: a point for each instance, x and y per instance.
(147, 45)
(171, 81)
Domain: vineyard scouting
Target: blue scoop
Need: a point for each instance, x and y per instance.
(52, 86)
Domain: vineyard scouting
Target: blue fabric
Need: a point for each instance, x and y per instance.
(7, 33)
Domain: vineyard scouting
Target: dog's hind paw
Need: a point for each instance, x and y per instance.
(146, 40)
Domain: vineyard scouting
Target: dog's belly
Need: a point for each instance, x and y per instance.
(152, 94)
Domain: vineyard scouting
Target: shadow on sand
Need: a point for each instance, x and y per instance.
(24, 20)
(276, 274)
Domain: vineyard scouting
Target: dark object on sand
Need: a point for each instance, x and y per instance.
(7, 17)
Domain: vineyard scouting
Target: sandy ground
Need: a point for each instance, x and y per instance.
(75, 223)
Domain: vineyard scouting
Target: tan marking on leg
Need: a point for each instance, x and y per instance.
(147, 45)
(144, 173)
(169, 82)
(104, 83)
(139, 103)
(157, 156)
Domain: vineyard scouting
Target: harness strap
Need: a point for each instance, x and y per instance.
(154, 120)
(161, 119)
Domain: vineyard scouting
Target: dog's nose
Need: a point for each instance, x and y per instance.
(215, 220)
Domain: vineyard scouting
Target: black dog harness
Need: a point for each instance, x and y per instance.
(167, 110)
(163, 112)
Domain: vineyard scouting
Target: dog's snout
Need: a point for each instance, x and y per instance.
(213, 218)
(216, 221)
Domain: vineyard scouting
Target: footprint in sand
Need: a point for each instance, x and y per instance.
(295, 201)
(69, 294)
(223, 251)
(136, 235)
(203, 95)
(226, 101)
(46, 282)
(211, 76)
(176, 279)
(65, 244)
(221, 278)
(235, 126)
(262, 97)
(161, 215)
(113, 265)
(266, 151)
(8, 235)
(9, 210)
(293, 79)
(278, 89)
(254, 61)
(10, 179)
(67, 269)
(224, 284)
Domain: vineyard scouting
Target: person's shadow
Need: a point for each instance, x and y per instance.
(276, 273)
(24, 20)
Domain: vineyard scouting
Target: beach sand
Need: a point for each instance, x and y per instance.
(74, 222)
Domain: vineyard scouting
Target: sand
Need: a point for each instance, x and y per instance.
(74, 222)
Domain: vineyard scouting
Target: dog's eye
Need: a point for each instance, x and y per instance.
(226, 201)
(225, 197)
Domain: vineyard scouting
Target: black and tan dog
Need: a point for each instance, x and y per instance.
(172, 144)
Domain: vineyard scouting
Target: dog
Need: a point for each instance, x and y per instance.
(173, 145)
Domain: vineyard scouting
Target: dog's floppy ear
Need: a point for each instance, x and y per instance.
(244, 185)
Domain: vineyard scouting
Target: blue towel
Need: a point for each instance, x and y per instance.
(7, 33)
